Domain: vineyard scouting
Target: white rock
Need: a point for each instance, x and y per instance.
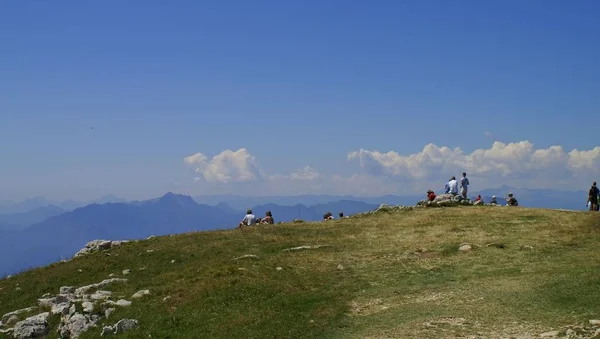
(279, 268)
(83, 290)
(125, 325)
(140, 294)
(62, 308)
(72, 309)
(32, 327)
(17, 312)
(101, 295)
(340, 267)
(173, 261)
(76, 325)
(167, 298)
(306, 247)
(465, 248)
(88, 307)
(123, 303)
(126, 272)
(595, 322)
(246, 256)
(549, 334)
(67, 290)
(13, 319)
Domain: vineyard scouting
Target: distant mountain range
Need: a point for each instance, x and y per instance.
(11, 207)
(62, 235)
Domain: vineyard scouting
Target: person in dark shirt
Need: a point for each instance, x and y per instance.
(593, 197)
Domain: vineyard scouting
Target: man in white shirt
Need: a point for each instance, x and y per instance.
(249, 219)
(453, 185)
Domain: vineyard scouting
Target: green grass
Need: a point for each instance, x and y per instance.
(385, 288)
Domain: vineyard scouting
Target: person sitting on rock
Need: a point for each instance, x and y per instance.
(511, 200)
(327, 216)
(453, 186)
(430, 195)
(268, 219)
(249, 219)
(478, 198)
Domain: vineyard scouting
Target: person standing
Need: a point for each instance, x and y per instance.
(464, 183)
(593, 197)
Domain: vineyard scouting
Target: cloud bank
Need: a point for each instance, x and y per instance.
(519, 164)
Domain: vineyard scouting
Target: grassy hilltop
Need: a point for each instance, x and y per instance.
(386, 275)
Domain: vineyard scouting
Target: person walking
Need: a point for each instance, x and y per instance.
(464, 183)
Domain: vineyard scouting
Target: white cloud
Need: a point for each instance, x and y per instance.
(502, 160)
(225, 167)
(306, 173)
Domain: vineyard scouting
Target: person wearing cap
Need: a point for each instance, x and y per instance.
(593, 197)
(493, 200)
(430, 195)
(511, 200)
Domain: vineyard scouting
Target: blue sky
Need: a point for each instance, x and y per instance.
(294, 84)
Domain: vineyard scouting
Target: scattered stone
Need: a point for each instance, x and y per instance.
(595, 322)
(62, 308)
(67, 290)
(306, 247)
(246, 256)
(15, 313)
(32, 327)
(149, 251)
(101, 295)
(82, 290)
(112, 275)
(340, 267)
(123, 303)
(526, 248)
(279, 268)
(151, 237)
(94, 246)
(140, 294)
(125, 325)
(167, 298)
(7, 331)
(106, 331)
(549, 334)
(142, 269)
(465, 248)
(17, 289)
(80, 270)
(75, 326)
(13, 319)
(173, 261)
(88, 307)
(72, 309)
(126, 272)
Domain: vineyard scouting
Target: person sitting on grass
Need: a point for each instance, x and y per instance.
(328, 216)
(268, 219)
(511, 200)
(249, 219)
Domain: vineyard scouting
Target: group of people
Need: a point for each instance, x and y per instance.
(453, 186)
(250, 219)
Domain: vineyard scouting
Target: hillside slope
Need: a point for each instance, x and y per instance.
(390, 274)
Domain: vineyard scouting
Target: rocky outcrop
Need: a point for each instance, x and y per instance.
(94, 303)
(32, 327)
(98, 245)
